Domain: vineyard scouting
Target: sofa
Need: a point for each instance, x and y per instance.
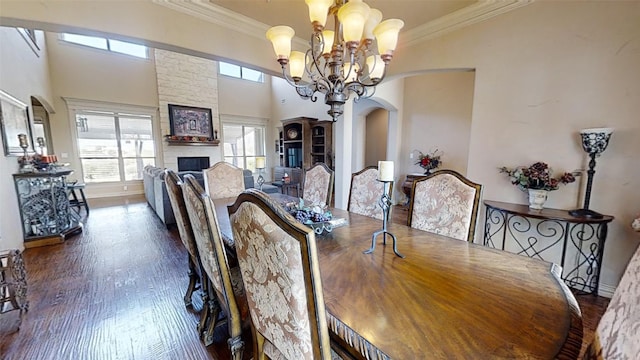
(157, 196)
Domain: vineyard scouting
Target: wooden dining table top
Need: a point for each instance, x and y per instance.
(446, 299)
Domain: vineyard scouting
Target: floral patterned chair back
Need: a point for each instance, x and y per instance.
(445, 203)
(618, 333)
(174, 190)
(224, 282)
(318, 184)
(365, 193)
(279, 263)
(223, 180)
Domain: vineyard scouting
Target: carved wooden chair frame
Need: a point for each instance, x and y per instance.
(225, 299)
(476, 200)
(309, 255)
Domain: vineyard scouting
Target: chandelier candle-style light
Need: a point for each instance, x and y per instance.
(340, 61)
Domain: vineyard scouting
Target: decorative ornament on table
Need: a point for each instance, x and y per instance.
(316, 216)
(429, 161)
(537, 180)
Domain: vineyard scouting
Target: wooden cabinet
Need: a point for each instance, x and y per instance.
(306, 141)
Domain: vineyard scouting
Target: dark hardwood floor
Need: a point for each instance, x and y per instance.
(115, 292)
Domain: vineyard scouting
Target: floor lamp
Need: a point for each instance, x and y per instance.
(594, 142)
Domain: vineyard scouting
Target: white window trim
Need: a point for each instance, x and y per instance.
(75, 105)
(245, 121)
(103, 51)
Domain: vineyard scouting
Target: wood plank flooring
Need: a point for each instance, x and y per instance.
(115, 292)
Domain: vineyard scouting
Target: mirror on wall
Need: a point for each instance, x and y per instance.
(42, 140)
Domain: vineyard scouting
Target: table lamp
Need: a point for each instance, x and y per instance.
(260, 164)
(594, 142)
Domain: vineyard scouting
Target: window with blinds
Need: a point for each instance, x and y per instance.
(113, 146)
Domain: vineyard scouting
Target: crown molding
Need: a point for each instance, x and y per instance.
(477, 12)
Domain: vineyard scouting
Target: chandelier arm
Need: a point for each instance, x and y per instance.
(315, 63)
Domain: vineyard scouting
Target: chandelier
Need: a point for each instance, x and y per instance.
(340, 61)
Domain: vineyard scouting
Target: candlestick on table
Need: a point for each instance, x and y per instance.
(385, 175)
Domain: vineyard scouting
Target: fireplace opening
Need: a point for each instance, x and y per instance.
(193, 163)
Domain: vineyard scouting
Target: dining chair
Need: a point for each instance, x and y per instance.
(445, 203)
(223, 180)
(365, 193)
(279, 263)
(617, 335)
(174, 190)
(225, 287)
(318, 184)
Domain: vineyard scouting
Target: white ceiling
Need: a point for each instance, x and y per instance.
(424, 19)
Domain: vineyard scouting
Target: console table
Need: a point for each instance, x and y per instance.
(43, 199)
(408, 184)
(577, 244)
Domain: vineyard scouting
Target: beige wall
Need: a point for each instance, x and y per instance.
(543, 72)
(23, 73)
(437, 109)
(376, 130)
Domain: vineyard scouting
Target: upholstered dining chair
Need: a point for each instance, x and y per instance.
(617, 335)
(445, 203)
(224, 282)
(223, 180)
(318, 184)
(279, 263)
(174, 190)
(365, 193)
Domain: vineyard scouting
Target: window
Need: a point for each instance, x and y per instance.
(242, 144)
(107, 44)
(240, 72)
(114, 146)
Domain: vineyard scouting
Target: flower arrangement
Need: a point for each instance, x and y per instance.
(429, 162)
(538, 176)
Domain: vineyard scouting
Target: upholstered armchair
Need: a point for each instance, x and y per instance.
(318, 184)
(223, 180)
(445, 203)
(279, 263)
(226, 290)
(365, 193)
(618, 333)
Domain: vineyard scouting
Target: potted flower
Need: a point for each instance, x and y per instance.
(429, 162)
(538, 180)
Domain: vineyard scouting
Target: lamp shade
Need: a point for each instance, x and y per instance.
(318, 10)
(596, 140)
(280, 36)
(353, 16)
(387, 35)
(296, 64)
(375, 16)
(376, 67)
(260, 162)
(328, 36)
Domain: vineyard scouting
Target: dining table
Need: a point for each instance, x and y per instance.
(445, 299)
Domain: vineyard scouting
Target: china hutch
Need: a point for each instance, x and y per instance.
(305, 141)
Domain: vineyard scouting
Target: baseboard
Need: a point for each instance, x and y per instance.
(606, 290)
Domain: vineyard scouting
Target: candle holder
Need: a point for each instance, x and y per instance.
(24, 161)
(41, 144)
(385, 204)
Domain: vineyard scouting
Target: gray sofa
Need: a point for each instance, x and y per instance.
(157, 197)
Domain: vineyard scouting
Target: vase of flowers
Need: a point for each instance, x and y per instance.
(429, 161)
(538, 180)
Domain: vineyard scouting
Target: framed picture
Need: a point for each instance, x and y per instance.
(188, 121)
(14, 120)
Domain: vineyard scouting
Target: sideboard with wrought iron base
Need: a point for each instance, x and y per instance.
(577, 244)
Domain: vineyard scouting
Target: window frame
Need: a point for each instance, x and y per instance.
(61, 37)
(245, 122)
(79, 106)
(242, 76)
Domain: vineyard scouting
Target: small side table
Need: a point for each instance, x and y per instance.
(408, 183)
(287, 187)
(13, 286)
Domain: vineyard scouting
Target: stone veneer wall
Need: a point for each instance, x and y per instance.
(190, 81)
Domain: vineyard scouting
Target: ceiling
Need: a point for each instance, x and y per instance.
(295, 13)
(424, 19)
